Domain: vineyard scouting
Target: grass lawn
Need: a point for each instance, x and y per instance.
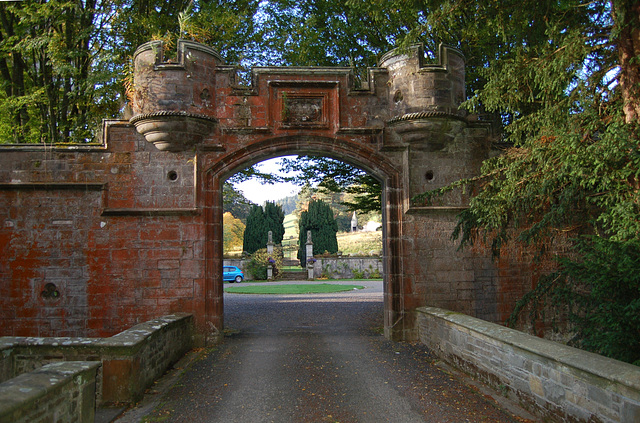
(360, 243)
(292, 289)
(290, 227)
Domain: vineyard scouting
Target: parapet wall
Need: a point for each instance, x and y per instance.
(555, 381)
(60, 392)
(348, 267)
(333, 267)
(131, 360)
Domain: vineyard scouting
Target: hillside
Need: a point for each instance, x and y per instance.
(349, 243)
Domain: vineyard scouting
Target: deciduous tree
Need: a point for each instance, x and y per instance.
(63, 63)
(233, 230)
(234, 202)
(336, 176)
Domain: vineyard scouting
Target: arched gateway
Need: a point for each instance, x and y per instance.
(96, 238)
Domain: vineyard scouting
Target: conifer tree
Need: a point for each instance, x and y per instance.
(255, 234)
(320, 221)
(259, 222)
(274, 221)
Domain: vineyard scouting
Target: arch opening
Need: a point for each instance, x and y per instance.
(288, 184)
(344, 150)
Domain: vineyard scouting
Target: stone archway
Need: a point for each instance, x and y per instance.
(129, 230)
(343, 149)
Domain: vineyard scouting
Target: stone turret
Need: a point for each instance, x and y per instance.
(172, 98)
(420, 88)
(425, 98)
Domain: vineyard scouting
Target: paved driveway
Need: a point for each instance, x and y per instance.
(316, 358)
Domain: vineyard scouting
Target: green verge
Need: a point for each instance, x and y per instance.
(292, 289)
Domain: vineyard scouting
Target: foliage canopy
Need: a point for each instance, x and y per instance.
(564, 79)
(233, 232)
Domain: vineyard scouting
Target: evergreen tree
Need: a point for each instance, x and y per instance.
(259, 222)
(320, 221)
(274, 221)
(564, 79)
(255, 233)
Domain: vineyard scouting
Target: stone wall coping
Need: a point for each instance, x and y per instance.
(348, 257)
(133, 337)
(60, 147)
(418, 50)
(181, 47)
(29, 387)
(138, 333)
(622, 373)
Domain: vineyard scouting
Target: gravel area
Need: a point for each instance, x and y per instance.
(315, 358)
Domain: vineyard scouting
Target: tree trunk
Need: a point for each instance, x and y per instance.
(627, 16)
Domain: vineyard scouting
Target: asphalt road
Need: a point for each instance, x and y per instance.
(315, 358)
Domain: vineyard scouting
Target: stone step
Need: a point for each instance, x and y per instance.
(294, 276)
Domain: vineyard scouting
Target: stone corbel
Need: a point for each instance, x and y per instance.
(174, 131)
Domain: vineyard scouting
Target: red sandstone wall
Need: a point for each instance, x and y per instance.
(95, 241)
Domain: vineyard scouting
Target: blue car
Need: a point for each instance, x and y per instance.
(232, 273)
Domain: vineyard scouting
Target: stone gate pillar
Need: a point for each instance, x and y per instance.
(310, 258)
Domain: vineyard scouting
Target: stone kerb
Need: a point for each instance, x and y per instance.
(131, 360)
(65, 390)
(555, 381)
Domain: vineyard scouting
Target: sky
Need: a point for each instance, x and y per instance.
(259, 193)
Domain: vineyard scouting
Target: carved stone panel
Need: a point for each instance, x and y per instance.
(302, 111)
(304, 106)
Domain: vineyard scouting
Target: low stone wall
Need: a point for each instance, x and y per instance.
(555, 381)
(348, 267)
(332, 267)
(240, 264)
(60, 392)
(131, 360)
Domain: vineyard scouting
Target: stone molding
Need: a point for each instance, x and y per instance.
(425, 115)
(173, 130)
